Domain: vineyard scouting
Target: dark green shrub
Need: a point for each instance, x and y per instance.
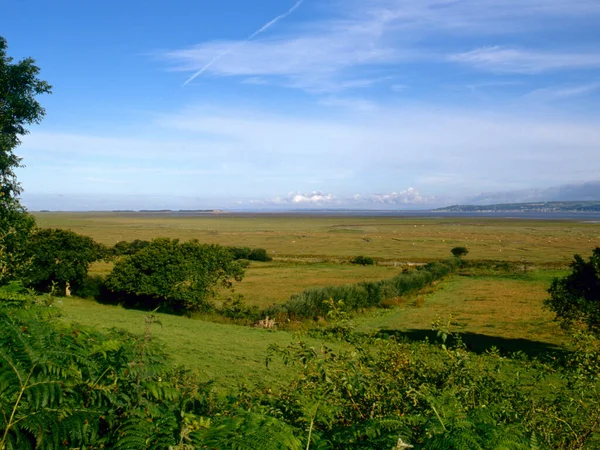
(315, 301)
(363, 260)
(236, 308)
(459, 251)
(173, 276)
(241, 252)
(259, 254)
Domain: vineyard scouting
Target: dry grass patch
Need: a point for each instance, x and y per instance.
(390, 238)
(269, 283)
(495, 306)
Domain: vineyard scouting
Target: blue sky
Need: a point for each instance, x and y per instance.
(284, 104)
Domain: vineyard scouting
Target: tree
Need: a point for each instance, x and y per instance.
(129, 248)
(576, 297)
(60, 257)
(459, 251)
(15, 229)
(177, 277)
(19, 85)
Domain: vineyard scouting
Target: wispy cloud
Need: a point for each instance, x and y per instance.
(313, 62)
(361, 41)
(510, 60)
(220, 149)
(564, 92)
(262, 29)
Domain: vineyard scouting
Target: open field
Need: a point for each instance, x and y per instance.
(334, 238)
(275, 282)
(311, 251)
(228, 354)
(500, 311)
(503, 311)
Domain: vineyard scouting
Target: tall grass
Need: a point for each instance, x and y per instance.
(313, 301)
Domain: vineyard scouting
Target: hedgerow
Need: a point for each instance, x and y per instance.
(314, 301)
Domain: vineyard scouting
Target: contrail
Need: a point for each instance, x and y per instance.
(262, 29)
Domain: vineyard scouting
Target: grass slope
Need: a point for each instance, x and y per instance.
(228, 354)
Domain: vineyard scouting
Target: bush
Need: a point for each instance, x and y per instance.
(237, 309)
(459, 251)
(241, 252)
(251, 254)
(173, 276)
(259, 254)
(363, 260)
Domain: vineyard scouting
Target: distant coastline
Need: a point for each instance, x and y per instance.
(534, 207)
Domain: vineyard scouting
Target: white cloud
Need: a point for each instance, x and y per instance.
(216, 150)
(361, 40)
(564, 92)
(404, 198)
(510, 60)
(312, 62)
(409, 196)
(314, 198)
(262, 29)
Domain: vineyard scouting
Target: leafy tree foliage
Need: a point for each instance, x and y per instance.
(15, 229)
(459, 251)
(576, 297)
(59, 258)
(129, 247)
(19, 85)
(177, 277)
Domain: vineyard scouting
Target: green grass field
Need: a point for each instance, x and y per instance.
(228, 354)
(496, 310)
(501, 309)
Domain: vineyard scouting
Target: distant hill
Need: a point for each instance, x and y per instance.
(527, 207)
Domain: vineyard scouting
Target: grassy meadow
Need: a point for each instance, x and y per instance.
(502, 309)
(229, 355)
(334, 238)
